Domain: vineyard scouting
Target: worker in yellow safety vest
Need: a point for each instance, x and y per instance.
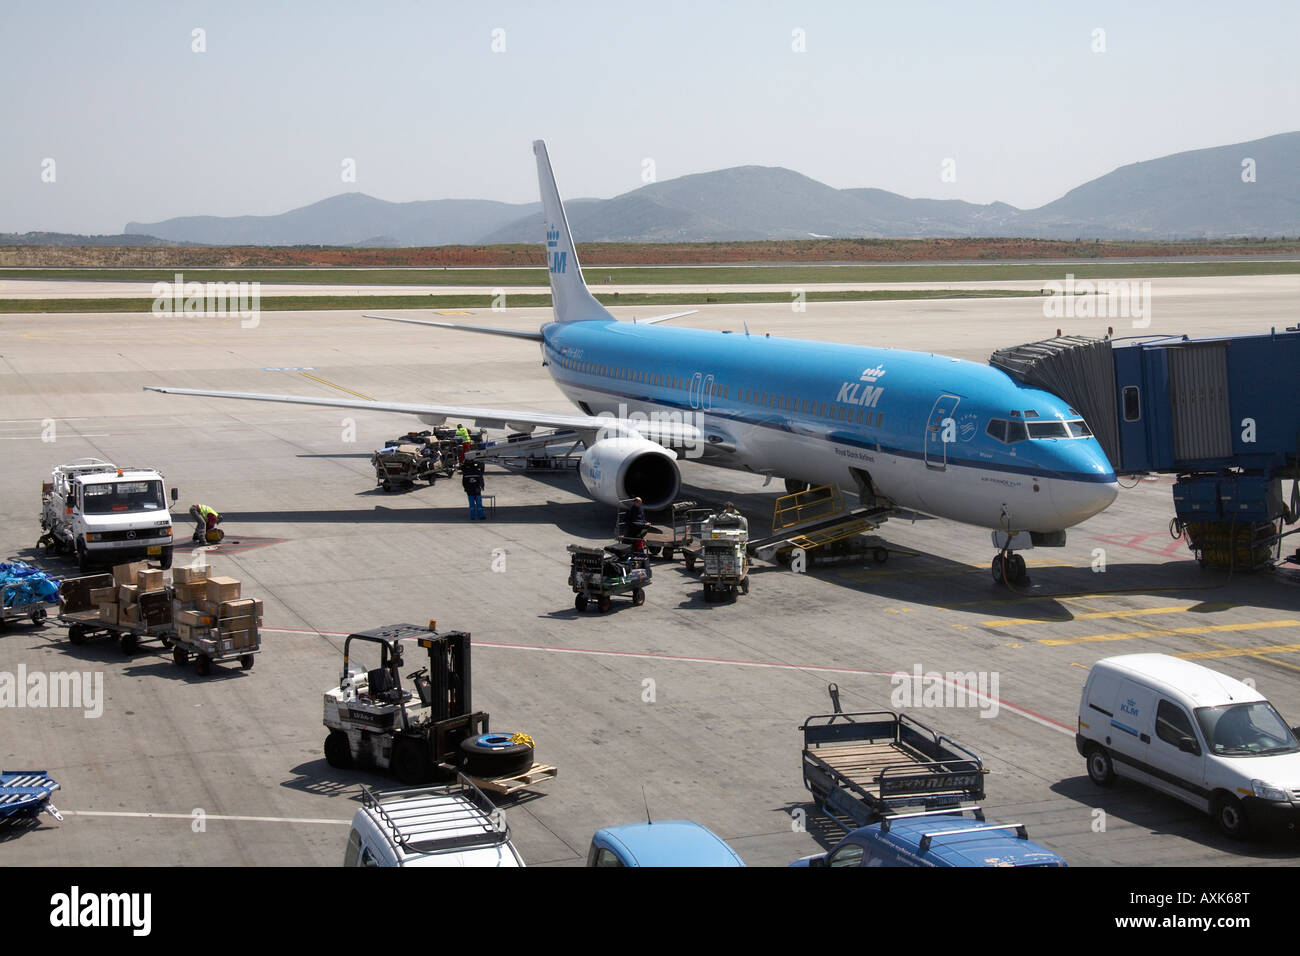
(462, 434)
(205, 519)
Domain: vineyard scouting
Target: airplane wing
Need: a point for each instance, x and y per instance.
(486, 330)
(664, 318)
(591, 427)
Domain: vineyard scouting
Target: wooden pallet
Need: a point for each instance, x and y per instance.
(508, 785)
(862, 763)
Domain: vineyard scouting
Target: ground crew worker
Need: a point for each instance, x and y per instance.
(735, 518)
(205, 520)
(473, 483)
(462, 434)
(635, 521)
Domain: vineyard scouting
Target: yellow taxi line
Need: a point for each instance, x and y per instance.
(1167, 632)
(325, 381)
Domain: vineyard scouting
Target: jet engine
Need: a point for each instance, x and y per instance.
(616, 469)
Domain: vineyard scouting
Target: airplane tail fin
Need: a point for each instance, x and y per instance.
(572, 300)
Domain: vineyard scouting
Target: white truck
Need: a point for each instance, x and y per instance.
(107, 515)
(453, 825)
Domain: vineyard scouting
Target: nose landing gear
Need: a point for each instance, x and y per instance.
(1009, 569)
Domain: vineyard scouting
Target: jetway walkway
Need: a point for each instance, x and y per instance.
(1221, 413)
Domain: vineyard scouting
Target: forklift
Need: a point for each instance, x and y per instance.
(375, 722)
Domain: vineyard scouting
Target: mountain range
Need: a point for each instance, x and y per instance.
(1199, 194)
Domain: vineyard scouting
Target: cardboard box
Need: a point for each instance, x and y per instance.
(231, 625)
(108, 613)
(195, 619)
(239, 640)
(126, 573)
(222, 589)
(185, 632)
(128, 614)
(103, 595)
(151, 580)
(190, 575)
(127, 594)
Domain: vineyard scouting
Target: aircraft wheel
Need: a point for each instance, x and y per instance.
(1016, 572)
(997, 570)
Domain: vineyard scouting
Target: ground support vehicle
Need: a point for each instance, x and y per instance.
(403, 466)
(25, 593)
(1195, 734)
(451, 825)
(936, 838)
(79, 614)
(681, 537)
(660, 843)
(214, 646)
(26, 793)
(106, 515)
(724, 557)
(434, 732)
(596, 575)
(865, 766)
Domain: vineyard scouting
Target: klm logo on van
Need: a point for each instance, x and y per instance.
(855, 393)
(1130, 707)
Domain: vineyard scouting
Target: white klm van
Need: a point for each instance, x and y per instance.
(1194, 734)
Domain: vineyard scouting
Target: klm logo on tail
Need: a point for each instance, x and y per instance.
(555, 258)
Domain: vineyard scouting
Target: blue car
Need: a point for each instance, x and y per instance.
(937, 838)
(667, 843)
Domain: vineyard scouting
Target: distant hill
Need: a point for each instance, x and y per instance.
(1190, 195)
(346, 220)
(73, 239)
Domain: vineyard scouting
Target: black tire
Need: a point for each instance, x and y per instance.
(388, 485)
(744, 584)
(638, 597)
(180, 656)
(1229, 816)
(246, 661)
(880, 555)
(667, 553)
(580, 602)
(128, 643)
(165, 562)
(689, 559)
(1016, 571)
(1100, 768)
(493, 755)
(77, 634)
(411, 763)
(603, 603)
(38, 616)
(83, 559)
(202, 665)
(654, 549)
(997, 569)
(338, 752)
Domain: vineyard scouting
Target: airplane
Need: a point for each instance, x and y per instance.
(905, 431)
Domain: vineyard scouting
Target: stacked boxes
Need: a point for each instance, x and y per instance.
(208, 607)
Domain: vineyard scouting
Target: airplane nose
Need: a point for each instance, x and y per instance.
(1077, 501)
(1088, 485)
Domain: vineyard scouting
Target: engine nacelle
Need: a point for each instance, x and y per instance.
(615, 469)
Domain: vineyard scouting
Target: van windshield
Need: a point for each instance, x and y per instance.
(1246, 730)
(119, 497)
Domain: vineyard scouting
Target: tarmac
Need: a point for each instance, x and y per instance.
(679, 708)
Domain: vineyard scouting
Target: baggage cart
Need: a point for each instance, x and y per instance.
(598, 574)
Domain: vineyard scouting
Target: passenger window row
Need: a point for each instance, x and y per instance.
(830, 410)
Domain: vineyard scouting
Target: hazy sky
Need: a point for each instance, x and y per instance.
(142, 127)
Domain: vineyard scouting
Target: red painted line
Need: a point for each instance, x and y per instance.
(733, 662)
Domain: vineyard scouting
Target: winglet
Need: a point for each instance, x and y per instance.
(572, 300)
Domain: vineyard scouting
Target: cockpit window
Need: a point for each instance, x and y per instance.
(1048, 430)
(998, 429)
(1007, 432)
(1079, 429)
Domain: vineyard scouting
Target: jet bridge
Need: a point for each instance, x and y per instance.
(1223, 414)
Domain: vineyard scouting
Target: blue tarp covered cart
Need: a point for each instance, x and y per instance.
(25, 592)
